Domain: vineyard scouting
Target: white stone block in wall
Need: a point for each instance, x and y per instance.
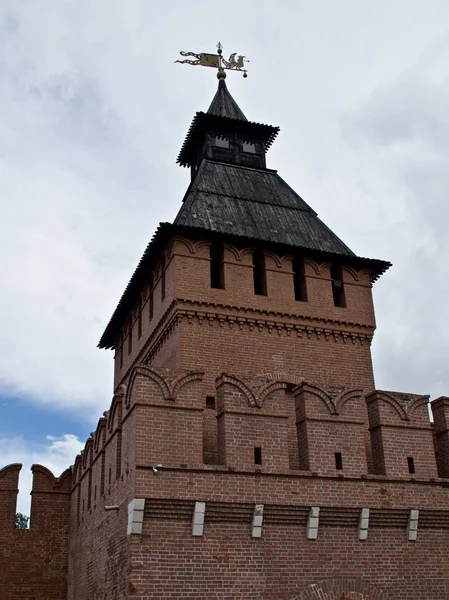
(364, 524)
(198, 518)
(256, 528)
(412, 526)
(135, 515)
(313, 523)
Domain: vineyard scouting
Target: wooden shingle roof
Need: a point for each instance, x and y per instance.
(255, 204)
(224, 105)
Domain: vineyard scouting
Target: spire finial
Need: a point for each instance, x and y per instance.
(204, 59)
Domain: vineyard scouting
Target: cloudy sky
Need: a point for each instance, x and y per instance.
(93, 112)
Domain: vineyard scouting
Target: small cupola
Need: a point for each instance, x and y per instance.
(225, 135)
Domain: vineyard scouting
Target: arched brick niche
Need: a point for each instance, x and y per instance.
(342, 589)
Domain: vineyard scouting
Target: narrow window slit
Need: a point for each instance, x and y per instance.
(216, 266)
(259, 273)
(338, 289)
(299, 279)
(210, 402)
(338, 461)
(411, 465)
(258, 456)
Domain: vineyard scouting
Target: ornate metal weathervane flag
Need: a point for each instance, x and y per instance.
(234, 62)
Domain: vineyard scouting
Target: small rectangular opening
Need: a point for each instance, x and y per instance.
(257, 456)
(299, 279)
(216, 266)
(338, 461)
(249, 147)
(411, 465)
(210, 402)
(259, 273)
(221, 142)
(338, 289)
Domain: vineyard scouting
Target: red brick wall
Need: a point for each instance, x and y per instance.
(227, 563)
(99, 552)
(260, 348)
(103, 477)
(33, 562)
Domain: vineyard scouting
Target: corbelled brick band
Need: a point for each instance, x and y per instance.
(336, 589)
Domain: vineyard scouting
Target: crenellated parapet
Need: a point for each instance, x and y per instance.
(171, 406)
(9, 487)
(270, 423)
(50, 499)
(34, 560)
(252, 423)
(401, 435)
(330, 427)
(47, 491)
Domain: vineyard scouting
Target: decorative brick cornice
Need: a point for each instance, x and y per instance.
(357, 589)
(293, 515)
(250, 319)
(271, 314)
(281, 327)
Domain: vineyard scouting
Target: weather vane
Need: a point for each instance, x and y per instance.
(234, 62)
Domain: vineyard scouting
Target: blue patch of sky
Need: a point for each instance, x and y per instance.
(34, 422)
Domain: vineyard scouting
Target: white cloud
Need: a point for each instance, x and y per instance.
(57, 455)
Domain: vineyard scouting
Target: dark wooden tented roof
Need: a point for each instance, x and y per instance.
(257, 204)
(224, 105)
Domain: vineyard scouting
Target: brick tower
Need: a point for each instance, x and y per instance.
(246, 453)
(246, 437)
